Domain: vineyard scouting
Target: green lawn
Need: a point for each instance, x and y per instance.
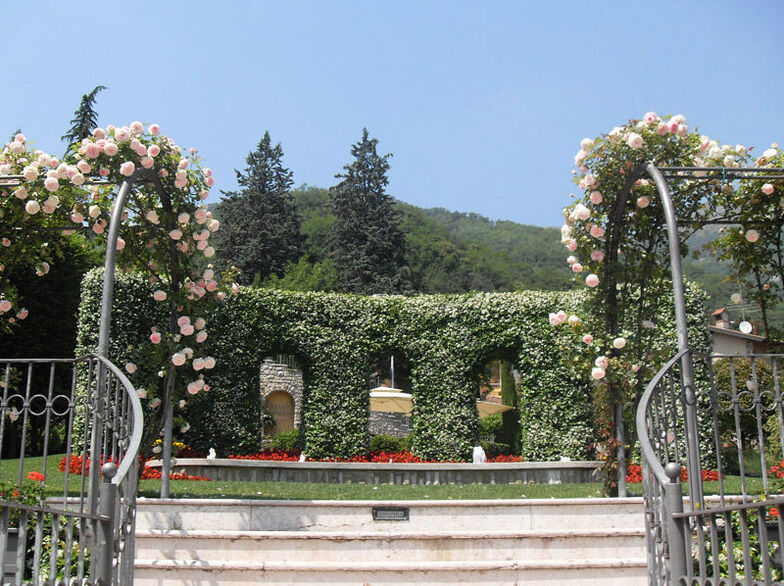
(314, 491)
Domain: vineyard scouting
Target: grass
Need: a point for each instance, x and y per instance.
(320, 491)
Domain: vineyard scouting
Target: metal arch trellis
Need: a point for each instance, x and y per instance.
(685, 547)
(97, 521)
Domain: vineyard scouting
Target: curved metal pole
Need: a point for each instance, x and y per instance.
(687, 366)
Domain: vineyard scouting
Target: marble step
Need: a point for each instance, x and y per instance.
(423, 515)
(468, 546)
(348, 572)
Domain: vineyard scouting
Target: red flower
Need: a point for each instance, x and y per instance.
(33, 475)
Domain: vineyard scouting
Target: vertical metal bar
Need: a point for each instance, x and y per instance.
(777, 390)
(104, 550)
(39, 538)
(763, 542)
(26, 411)
(21, 546)
(744, 537)
(56, 520)
(6, 383)
(4, 526)
(714, 401)
(48, 419)
(730, 543)
(758, 416)
(738, 431)
(715, 549)
(69, 432)
(687, 367)
(676, 528)
(702, 561)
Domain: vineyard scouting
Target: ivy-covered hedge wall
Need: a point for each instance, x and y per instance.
(447, 339)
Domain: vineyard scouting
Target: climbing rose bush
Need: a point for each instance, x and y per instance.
(164, 235)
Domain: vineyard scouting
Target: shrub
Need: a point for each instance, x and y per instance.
(286, 441)
(387, 443)
(495, 449)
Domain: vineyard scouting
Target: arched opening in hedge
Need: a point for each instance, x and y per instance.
(391, 401)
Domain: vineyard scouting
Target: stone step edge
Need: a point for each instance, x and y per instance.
(386, 535)
(434, 566)
(550, 502)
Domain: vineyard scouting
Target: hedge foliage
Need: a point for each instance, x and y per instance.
(447, 339)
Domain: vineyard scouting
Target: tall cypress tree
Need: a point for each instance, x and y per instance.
(85, 118)
(366, 243)
(260, 226)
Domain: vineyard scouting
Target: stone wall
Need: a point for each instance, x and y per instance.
(395, 424)
(275, 376)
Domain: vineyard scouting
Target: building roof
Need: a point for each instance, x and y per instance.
(736, 334)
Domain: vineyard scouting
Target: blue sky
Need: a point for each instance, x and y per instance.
(483, 104)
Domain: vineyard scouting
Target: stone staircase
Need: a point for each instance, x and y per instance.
(226, 542)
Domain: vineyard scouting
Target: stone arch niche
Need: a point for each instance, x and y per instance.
(390, 370)
(281, 387)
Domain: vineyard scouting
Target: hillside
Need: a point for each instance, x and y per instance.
(454, 251)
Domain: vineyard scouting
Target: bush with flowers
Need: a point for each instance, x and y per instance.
(617, 245)
(164, 237)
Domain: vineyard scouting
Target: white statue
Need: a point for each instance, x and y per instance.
(479, 455)
(211, 455)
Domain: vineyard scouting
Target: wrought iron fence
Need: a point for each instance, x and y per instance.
(82, 418)
(720, 428)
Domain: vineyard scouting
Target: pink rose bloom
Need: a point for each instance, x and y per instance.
(209, 252)
(120, 243)
(752, 235)
(21, 193)
(553, 319)
(127, 169)
(619, 343)
(122, 134)
(209, 363)
(682, 130)
(198, 363)
(182, 320)
(30, 173)
(597, 255)
(597, 231)
(571, 259)
(597, 373)
(84, 166)
(596, 197)
(155, 337)
(183, 164)
(643, 202)
(202, 245)
(152, 217)
(147, 162)
(662, 129)
(20, 137)
(588, 339)
(141, 393)
(159, 295)
(182, 247)
(590, 180)
(111, 149)
(178, 359)
(767, 189)
(92, 151)
(77, 179)
(103, 172)
(6, 242)
(32, 207)
(592, 280)
(94, 211)
(154, 129)
(5, 305)
(51, 184)
(130, 367)
(201, 336)
(98, 229)
(602, 362)
(650, 117)
(183, 218)
(210, 181)
(200, 323)
(577, 267)
(22, 313)
(175, 234)
(187, 330)
(571, 244)
(99, 133)
(154, 150)
(180, 182)
(634, 140)
(211, 285)
(193, 388)
(220, 295)
(203, 194)
(561, 315)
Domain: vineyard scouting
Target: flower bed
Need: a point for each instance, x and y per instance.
(75, 467)
(634, 474)
(404, 457)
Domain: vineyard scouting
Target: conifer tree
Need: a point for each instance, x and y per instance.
(85, 118)
(366, 243)
(260, 226)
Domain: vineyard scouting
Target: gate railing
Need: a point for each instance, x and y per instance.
(735, 535)
(80, 420)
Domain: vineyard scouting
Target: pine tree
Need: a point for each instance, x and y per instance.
(260, 226)
(366, 243)
(85, 118)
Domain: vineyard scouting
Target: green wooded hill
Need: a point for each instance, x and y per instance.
(454, 251)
